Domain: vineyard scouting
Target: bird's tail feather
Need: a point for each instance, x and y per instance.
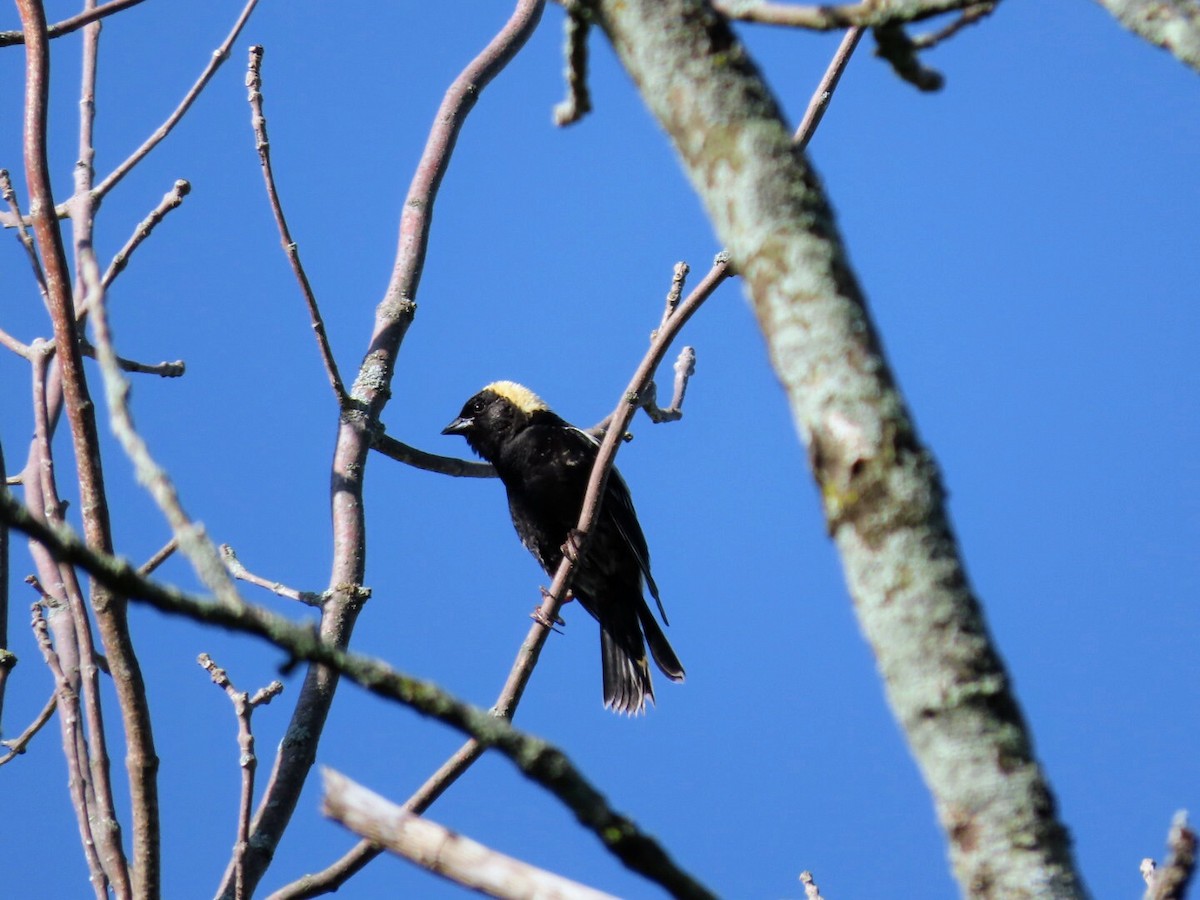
(626, 672)
(660, 647)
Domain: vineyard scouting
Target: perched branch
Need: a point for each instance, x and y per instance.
(243, 707)
(1170, 882)
(241, 573)
(430, 462)
(578, 102)
(884, 502)
(263, 145)
(66, 26)
(359, 421)
(439, 850)
(336, 874)
(542, 763)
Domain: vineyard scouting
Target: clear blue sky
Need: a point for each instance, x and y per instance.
(1027, 239)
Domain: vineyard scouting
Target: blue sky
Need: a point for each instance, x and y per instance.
(1027, 239)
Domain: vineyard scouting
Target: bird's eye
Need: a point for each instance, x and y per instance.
(477, 405)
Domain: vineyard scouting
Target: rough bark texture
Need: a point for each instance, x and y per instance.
(883, 499)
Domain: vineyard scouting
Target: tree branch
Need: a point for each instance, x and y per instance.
(437, 849)
(359, 421)
(542, 763)
(884, 502)
(66, 26)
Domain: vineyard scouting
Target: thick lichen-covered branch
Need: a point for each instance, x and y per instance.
(884, 503)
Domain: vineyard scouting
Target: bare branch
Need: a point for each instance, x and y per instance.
(109, 610)
(542, 763)
(240, 572)
(17, 745)
(263, 145)
(436, 848)
(73, 744)
(969, 16)
(10, 197)
(358, 423)
(218, 58)
(66, 26)
(823, 95)
(430, 462)
(243, 707)
(171, 200)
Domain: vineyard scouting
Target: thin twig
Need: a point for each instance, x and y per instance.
(160, 557)
(218, 58)
(824, 93)
(17, 745)
(243, 707)
(171, 199)
(430, 462)
(73, 740)
(437, 849)
(66, 26)
(969, 16)
(10, 197)
(290, 248)
(240, 572)
(163, 369)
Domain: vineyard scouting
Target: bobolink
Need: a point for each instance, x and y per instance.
(545, 464)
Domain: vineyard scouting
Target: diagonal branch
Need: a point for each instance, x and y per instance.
(542, 763)
(66, 26)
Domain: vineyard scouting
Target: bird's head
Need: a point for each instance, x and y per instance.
(494, 415)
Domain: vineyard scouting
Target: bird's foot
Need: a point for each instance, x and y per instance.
(572, 545)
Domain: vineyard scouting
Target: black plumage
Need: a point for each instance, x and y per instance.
(545, 464)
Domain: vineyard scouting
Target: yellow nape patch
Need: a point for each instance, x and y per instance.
(518, 395)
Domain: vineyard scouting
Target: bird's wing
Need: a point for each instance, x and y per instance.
(618, 508)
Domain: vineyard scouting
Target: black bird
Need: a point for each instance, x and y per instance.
(545, 463)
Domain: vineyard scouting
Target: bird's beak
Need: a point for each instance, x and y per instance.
(461, 425)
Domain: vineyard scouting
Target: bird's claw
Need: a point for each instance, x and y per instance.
(572, 545)
(545, 621)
